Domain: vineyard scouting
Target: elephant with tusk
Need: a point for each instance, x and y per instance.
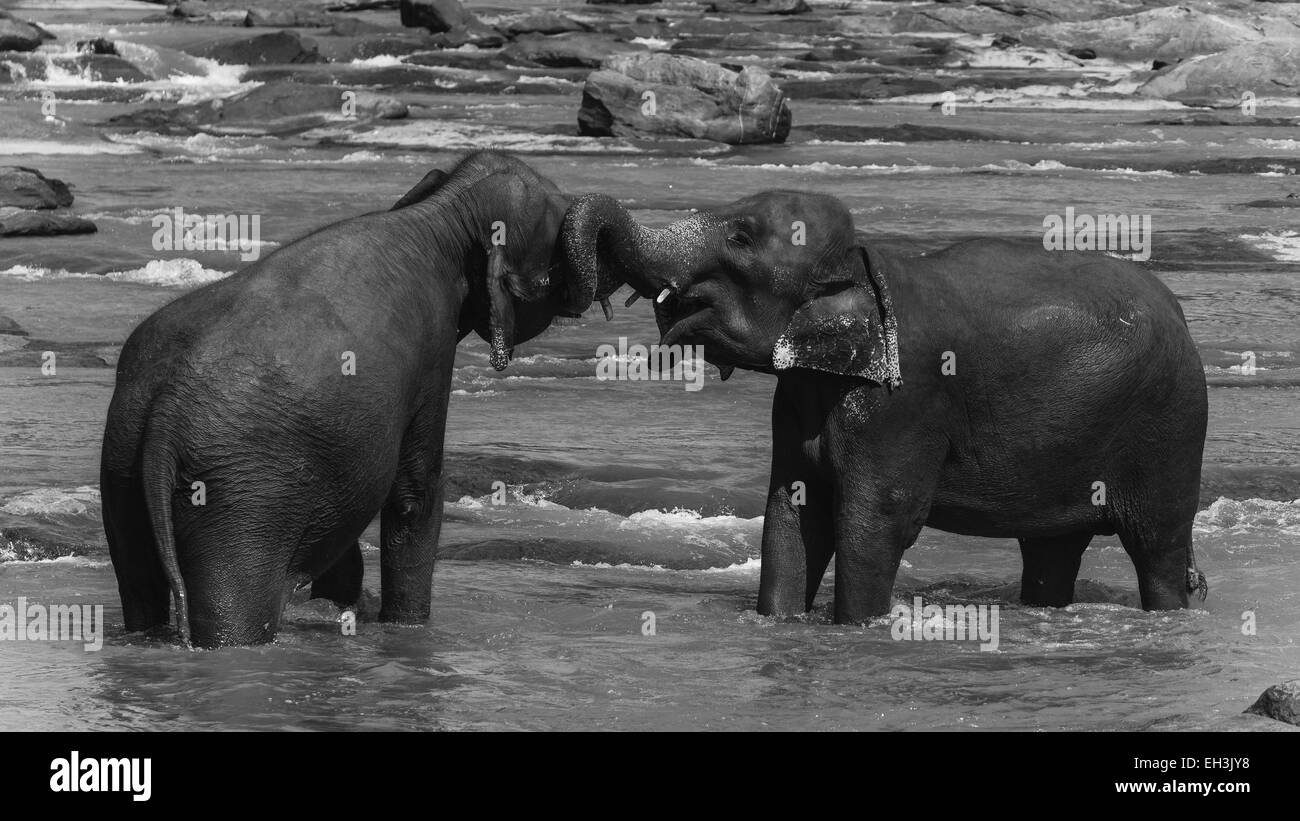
(990, 389)
(259, 423)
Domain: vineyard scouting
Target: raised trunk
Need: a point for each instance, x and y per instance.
(603, 243)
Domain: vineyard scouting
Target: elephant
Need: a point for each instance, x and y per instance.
(992, 388)
(259, 423)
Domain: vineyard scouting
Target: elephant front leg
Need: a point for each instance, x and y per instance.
(877, 518)
(796, 547)
(797, 543)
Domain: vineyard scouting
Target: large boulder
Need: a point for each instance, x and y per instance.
(42, 224)
(1169, 33)
(435, 15)
(1266, 69)
(20, 35)
(1280, 702)
(573, 50)
(28, 188)
(691, 98)
(273, 47)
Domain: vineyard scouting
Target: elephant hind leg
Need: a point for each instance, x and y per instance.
(1164, 564)
(1050, 569)
(341, 582)
(141, 581)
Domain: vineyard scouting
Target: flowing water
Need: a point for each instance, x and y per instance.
(627, 497)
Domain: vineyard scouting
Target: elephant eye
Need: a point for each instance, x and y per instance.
(740, 239)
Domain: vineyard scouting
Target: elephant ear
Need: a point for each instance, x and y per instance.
(423, 189)
(848, 328)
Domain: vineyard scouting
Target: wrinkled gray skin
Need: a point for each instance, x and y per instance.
(240, 385)
(1070, 369)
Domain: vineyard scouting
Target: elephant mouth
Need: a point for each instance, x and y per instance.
(682, 318)
(679, 317)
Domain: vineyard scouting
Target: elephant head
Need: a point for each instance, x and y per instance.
(522, 274)
(770, 283)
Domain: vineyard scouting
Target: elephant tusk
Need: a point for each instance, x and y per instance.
(635, 296)
(664, 294)
(607, 308)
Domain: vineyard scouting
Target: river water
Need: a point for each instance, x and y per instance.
(628, 497)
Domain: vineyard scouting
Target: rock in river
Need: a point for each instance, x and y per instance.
(29, 188)
(669, 95)
(1280, 702)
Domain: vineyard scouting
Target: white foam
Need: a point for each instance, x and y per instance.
(1284, 245)
(48, 500)
(1251, 514)
(1289, 145)
(49, 147)
(378, 61)
(166, 272)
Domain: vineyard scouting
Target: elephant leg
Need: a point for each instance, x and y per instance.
(411, 519)
(868, 550)
(1161, 558)
(341, 583)
(796, 547)
(886, 489)
(1050, 568)
(797, 543)
(141, 581)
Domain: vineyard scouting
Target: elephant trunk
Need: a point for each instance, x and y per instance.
(603, 244)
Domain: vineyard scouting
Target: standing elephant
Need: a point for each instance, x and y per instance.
(989, 389)
(259, 423)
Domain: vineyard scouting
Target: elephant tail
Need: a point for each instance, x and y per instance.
(159, 469)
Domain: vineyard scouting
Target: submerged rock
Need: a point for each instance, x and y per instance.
(272, 47)
(20, 35)
(474, 33)
(28, 188)
(286, 18)
(541, 22)
(688, 98)
(1290, 201)
(434, 15)
(272, 108)
(1280, 702)
(1168, 33)
(9, 326)
(577, 49)
(758, 6)
(1268, 68)
(42, 224)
